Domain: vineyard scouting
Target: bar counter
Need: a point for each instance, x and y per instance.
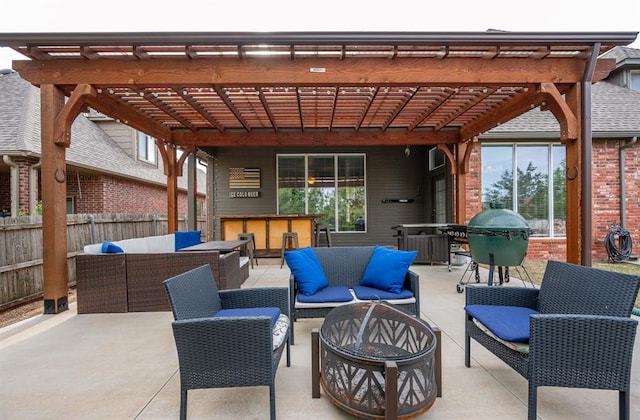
(268, 230)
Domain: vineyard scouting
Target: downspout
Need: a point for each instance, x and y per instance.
(15, 185)
(587, 147)
(33, 184)
(623, 204)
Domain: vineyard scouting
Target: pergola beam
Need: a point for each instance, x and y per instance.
(128, 115)
(314, 138)
(206, 72)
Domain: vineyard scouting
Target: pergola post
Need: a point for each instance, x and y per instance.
(172, 169)
(54, 209)
(211, 230)
(192, 191)
(172, 191)
(574, 167)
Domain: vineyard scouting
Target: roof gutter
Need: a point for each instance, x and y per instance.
(586, 198)
(15, 40)
(33, 184)
(15, 184)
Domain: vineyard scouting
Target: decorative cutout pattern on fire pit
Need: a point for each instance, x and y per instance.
(355, 343)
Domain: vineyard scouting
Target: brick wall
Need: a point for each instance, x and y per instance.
(23, 188)
(106, 194)
(99, 193)
(474, 184)
(606, 192)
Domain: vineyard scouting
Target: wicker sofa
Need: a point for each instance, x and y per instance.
(578, 329)
(345, 266)
(131, 281)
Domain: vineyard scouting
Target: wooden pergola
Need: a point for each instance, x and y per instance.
(193, 90)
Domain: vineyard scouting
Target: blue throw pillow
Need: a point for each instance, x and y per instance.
(188, 238)
(271, 312)
(328, 294)
(306, 268)
(371, 293)
(387, 269)
(509, 323)
(111, 248)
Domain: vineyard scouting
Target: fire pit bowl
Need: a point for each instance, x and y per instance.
(359, 342)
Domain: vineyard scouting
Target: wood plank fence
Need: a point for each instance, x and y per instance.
(21, 248)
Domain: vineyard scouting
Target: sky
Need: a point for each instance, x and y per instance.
(20, 16)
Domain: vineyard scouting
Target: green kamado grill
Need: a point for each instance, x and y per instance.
(498, 237)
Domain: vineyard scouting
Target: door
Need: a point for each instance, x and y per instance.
(439, 188)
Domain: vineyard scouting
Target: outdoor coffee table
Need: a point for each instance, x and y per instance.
(222, 246)
(375, 361)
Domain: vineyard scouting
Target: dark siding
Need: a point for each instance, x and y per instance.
(390, 175)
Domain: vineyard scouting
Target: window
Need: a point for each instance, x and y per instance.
(530, 180)
(635, 80)
(146, 148)
(332, 186)
(436, 158)
(71, 205)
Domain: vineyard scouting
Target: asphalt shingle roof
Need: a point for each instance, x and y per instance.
(90, 148)
(622, 54)
(615, 112)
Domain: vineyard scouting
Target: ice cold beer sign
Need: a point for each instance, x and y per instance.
(244, 194)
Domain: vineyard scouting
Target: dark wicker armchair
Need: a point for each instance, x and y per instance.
(233, 351)
(582, 337)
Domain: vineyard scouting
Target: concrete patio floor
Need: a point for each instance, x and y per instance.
(124, 366)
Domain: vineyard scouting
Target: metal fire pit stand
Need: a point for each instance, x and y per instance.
(327, 357)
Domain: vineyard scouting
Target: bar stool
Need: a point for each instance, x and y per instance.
(287, 237)
(320, 227)
(251, 246)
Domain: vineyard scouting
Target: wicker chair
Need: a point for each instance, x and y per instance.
(582, 338)
(224, 352)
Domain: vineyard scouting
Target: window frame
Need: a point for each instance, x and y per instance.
(436, 160)
(634, 80)
(551, 167)
(151, 151)
(336, 183)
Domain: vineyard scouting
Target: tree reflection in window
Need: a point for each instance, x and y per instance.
(332, 186)
(541, 199)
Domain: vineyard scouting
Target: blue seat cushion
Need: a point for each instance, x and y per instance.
(307, 270)
(111, 248)
(371, 293)
(509, 323)
(271, 312)
(184, 239)
(328, 294)
(387, 269)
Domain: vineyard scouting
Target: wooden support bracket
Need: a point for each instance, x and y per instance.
(464, 163)
(70, 111)
(561, 110)
(453, 168)
(187, 151)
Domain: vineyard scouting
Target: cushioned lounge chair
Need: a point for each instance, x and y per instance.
(227, 338)
(581, 334)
